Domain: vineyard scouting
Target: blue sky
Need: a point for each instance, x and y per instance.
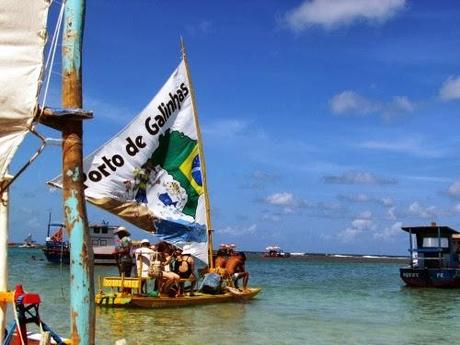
(326, 124)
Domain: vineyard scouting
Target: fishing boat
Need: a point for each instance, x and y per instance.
(157, 182)
(168, 184)
(434, 257)
(57, 249)
(275, 252)
(136, 299)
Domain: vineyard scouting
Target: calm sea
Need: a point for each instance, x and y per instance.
(304, 301)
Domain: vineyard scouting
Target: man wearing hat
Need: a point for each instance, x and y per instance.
(123, 251)
(143, 257)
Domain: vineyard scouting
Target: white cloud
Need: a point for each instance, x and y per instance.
(403, 103)
(410, 146)
(454, 189)
(417, 210)
(387, 201)
(271, 217)
(226, 128)
(363, 223)
(389, 232)
(363, 198)
(392, 213)
(281, 199)
(351, 103)
(335, 13)
(357, 178)
(450, 89)
(359, 198)
(237, 231)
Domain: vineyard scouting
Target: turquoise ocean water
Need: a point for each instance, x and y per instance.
(304, 301)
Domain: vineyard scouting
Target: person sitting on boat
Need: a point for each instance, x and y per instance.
(227, 249)
(169, 279)
(143, 257)
(235, 267)
(123, 251)
(184, 266)
(220, 261)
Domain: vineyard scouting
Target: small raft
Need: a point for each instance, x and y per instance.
(137, 300)
(121, 299)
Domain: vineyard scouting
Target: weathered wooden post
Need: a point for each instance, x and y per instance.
(81, 256)
(69, 121)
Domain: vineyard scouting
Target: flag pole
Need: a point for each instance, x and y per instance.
(202, 160)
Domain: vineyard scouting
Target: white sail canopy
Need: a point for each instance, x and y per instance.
(150, 173)
(22, 40)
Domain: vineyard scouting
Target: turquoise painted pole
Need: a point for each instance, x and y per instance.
(81, 256)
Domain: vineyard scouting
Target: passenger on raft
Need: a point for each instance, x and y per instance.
(220, 261)
(235, 267)
(123, 252)
(169, 278)
(184, 266)
(143, 257)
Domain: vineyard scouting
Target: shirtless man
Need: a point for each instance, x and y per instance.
(221, 261)
(235, 268)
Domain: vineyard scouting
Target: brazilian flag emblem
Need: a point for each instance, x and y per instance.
(191, 169)
(178, 154)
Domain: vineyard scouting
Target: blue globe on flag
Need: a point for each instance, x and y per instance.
(196, 170)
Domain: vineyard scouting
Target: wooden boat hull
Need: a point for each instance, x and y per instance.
(137, 301)
(431, 277)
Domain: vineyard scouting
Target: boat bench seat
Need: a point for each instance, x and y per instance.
(122, 282)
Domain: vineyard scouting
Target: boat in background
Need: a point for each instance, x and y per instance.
(29, 242)
(275, 252)
(57, 249)
(434, 259)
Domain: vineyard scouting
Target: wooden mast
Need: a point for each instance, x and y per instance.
(4, 220)
(202, 160)
(81, 256)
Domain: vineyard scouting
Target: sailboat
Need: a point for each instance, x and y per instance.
(152, 174)
(28, 242)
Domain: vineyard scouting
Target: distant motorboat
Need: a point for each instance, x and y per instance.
(434, 260)
(57, 249)
(275, 252)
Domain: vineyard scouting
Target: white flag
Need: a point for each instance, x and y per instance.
(150, 174)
